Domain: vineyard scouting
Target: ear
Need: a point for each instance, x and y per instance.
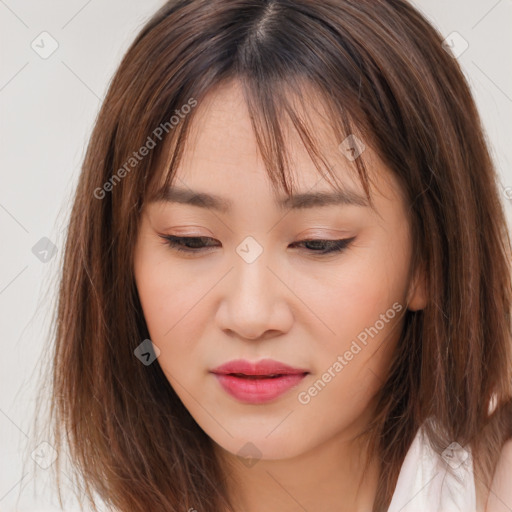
(417, 293)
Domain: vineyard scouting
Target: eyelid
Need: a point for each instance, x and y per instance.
(337, 245)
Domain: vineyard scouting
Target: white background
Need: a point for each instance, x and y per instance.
(47, 107)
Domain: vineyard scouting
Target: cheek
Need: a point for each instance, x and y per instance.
(362, 304)
(170, 303)
(352, 366)
(353, 296)
(172, 322)
(166, 293)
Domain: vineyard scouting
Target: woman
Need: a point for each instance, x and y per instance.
(286, 282)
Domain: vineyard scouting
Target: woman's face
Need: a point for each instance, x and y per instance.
(254, 292)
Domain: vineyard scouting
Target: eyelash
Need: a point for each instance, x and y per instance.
(176, 243)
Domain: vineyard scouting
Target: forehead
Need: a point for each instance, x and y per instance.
(222, 128)
(221, 154)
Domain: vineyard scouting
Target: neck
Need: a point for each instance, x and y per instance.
(331, 477)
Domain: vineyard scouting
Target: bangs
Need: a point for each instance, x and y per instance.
(275, 107)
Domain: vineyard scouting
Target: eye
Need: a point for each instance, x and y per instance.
(321, 247)
(190, 244)
(197, 244)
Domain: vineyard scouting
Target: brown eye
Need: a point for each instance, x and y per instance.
(325, 246)
(197, 244)
(188, 243)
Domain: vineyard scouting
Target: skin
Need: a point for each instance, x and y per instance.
(289, 304)
(500, 495)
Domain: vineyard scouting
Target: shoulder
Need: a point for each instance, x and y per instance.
(500, 495)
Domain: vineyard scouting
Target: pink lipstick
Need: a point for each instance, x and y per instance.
(258, 382)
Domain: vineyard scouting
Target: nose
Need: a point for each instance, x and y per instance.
(255, 302)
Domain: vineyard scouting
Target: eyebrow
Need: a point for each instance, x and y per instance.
(297, 201)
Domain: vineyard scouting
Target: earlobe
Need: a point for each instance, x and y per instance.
(417, 293)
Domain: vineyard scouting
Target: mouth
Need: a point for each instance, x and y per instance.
(251, 377)
(260, 382)
(263, 368)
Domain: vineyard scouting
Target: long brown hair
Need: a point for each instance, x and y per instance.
(382, 72)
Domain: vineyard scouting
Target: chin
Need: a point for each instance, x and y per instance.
(254, 445)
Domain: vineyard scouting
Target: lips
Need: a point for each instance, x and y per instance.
(258, 382)
(262, 368)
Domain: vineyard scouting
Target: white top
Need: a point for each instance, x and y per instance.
(427, 482)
